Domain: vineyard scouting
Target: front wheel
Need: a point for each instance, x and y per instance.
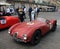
(36, 37)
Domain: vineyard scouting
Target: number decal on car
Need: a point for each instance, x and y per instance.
(3, 21)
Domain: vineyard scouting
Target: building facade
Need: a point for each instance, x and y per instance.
(18, 3)
(2, 0)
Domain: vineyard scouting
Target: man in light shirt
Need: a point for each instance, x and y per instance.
(8, 11)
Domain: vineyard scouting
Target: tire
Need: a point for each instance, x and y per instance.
(36, 37)
(54, 27)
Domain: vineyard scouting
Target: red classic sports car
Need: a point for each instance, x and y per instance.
(32, 31)
(7, 21)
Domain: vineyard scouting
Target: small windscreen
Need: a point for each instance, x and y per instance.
(41, 19)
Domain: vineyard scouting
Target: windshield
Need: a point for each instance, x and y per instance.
(41, 19)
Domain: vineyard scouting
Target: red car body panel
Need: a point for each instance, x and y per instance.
(10, 20)
(29, 28)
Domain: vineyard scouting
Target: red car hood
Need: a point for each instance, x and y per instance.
(26, 28)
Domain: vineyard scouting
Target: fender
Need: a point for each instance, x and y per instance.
(11, 28)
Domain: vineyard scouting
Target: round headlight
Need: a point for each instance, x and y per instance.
(25, 37)
(9, 31)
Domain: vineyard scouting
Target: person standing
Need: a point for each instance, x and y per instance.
(12, 10)
(30, 10)
(35, 11)
(25, 12)
(33, 15)
(38, 10)
(8, 11)
(21, 14)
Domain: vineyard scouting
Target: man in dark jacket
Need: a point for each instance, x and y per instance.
(30, 10)
(21, 14)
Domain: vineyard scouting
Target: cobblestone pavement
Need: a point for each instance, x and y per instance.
(50, 41)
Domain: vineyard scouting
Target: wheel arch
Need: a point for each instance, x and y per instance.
(33, 32)
(38, 30)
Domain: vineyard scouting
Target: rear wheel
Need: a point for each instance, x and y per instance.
(36, 37)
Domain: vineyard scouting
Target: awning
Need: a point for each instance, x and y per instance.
(4, 3)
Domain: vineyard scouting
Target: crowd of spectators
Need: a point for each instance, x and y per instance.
(21, 11)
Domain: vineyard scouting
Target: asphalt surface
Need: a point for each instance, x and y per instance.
(50, 41)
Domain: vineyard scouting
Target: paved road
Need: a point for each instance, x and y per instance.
(50, 41)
